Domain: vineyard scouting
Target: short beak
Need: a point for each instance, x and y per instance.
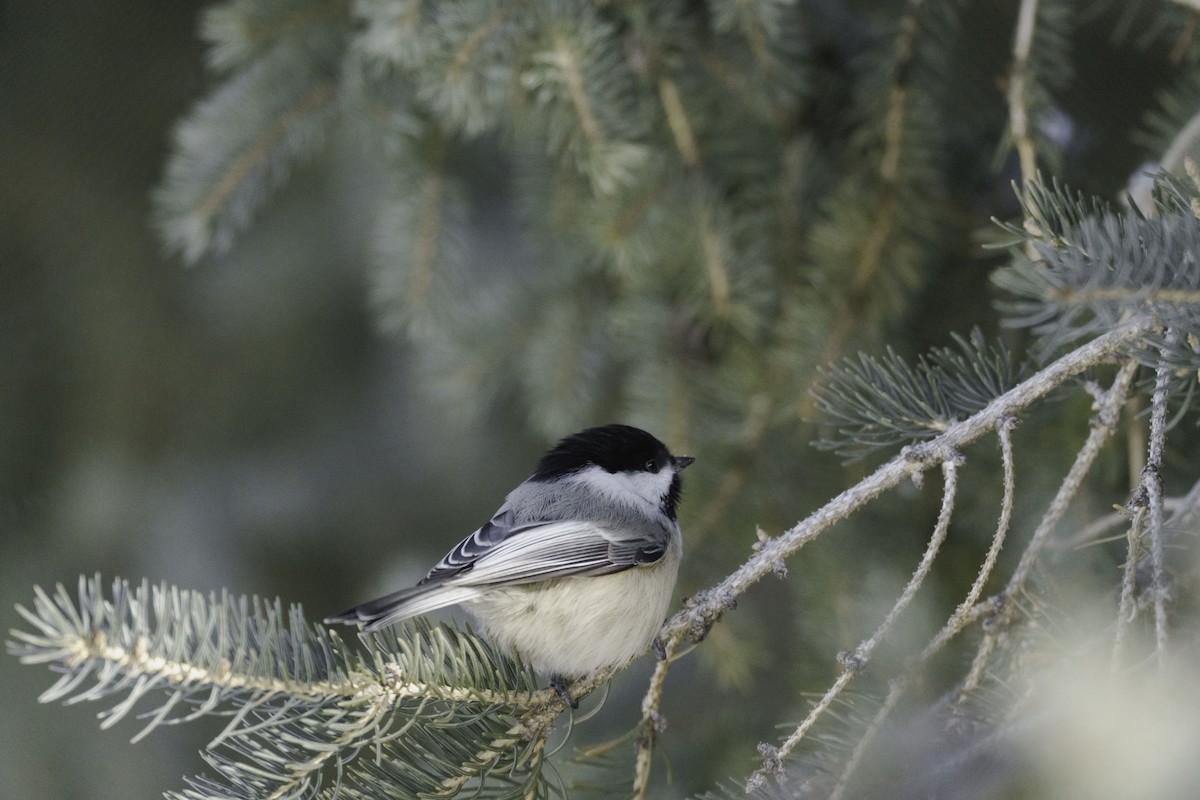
(683, 461)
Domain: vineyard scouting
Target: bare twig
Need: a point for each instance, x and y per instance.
(1103, 424)
(651, 718)
(954, 625)
(853, 663)
(1152, 482)
(967, 612)
(1127, 608)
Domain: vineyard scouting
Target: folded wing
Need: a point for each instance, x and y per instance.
(501, 554)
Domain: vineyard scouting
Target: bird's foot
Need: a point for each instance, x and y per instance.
(659, 648)
(559, 684)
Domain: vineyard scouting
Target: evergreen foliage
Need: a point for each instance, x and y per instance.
(882, 402)
(422, 710)
(1095, 267)
(689, 216)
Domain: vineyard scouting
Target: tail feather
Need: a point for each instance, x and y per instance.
(403, 604)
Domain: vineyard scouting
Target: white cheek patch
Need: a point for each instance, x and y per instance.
(627, 487)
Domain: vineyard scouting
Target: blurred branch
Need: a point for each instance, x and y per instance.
(870, 253)
(1018, 108)
(236, 148)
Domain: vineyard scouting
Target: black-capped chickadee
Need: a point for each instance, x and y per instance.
(575, 571)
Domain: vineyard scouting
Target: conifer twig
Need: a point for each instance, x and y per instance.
(705, 608)
(1018, 106)
(1018, 77)
(715, 266)
(1126, 609)
(853, 663)
(683, 134)
(565, 58)
(967, 612)
(429, 225)
(239, 170)
(1104, 423)
(1152, 483)
(677, 120)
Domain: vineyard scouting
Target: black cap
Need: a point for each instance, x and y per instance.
(614, 448)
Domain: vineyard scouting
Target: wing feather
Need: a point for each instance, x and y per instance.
(466, 552)
(551, 550)
(504, 554)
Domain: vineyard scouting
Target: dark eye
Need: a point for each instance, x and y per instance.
(650, 466)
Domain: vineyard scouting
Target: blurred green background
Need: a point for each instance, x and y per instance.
(238, 424)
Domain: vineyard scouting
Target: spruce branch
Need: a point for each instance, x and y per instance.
(235, 150)
(715, 266)
(581, 91)
(706, 607)
(683, 134)
(759, 23)
(468, 77)
(1051, 211)
(880, 239)
(563, 57)
(239, 31)
(431, 710)
(881, 402)
(1094, 270)
(1040, 67)
(420, 250)
(971, 610)
(428, 226)
(677, 121)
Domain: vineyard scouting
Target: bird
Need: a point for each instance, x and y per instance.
(574, 573)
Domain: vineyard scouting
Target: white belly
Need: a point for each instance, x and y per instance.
(572, 627)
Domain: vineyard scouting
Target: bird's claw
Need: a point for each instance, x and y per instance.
(559, 685)
(659, 648)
